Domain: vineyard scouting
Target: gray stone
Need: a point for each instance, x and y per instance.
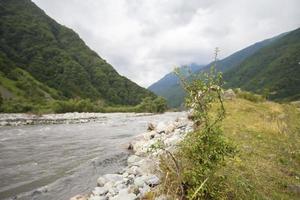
(113, 177)
(101, 181)
(134, 170)
(151, 180)
(100, 191)
(139, 181)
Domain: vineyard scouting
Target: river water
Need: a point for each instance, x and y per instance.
(56, 162)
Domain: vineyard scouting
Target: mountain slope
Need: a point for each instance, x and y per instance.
(56, 57)
(169, 86)
(174, 92)
(274, 68)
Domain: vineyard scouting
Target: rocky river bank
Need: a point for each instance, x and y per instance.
(142, 173)
(16, 119)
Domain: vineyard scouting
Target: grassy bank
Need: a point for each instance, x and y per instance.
(266, 165)
(267, 136)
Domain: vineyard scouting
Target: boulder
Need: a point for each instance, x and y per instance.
(161, 127)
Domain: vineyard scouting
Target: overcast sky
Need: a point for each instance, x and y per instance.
(145, 39)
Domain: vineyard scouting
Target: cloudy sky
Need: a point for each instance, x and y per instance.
(145, 39)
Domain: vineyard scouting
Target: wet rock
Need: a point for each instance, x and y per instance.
(100, 191)
(101, 181)
(133, 159)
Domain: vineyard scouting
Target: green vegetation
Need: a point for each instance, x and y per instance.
(270, 68)
(250, 96)
(267, 161)
(42, 61)
(252, 153)
(151, 105)
(273, 71)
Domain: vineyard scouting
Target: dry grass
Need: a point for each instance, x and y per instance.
(268, 138)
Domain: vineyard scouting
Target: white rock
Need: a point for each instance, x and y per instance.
(101, 181)
(139, 181)
(121, 186)
(97, 198)
(124, 195)
(109, 185)
(100, 191)
(172, 140)
(125, 174)
(134, 170)
(113, 177)
(161, 126)
(133, 159)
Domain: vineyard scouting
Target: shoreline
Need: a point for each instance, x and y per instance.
(142, 174)
(19, 119)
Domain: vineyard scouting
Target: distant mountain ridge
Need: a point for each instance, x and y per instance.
(40, 58)
(175, 94)
(169, 86)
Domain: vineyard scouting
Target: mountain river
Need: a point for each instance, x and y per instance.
(58, 161)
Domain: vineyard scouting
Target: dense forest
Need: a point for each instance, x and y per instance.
(273, 71)
(41, 60)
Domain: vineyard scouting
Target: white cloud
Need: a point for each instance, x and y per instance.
(145, 39)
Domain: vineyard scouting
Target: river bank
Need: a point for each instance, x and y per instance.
(142, 173)
(58, 161)
(17, 119)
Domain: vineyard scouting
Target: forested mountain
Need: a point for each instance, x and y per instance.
(229, 66)
(40, 58)
(169, 86)
(274, 69)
